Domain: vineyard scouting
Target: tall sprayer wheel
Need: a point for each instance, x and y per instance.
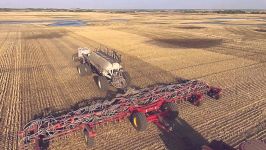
(172, 110)
(89, 141)
(103, 83)
(139, 121)
(75, 57)
(88, 69)
(99, 84)
(127, 78)
(79, 70)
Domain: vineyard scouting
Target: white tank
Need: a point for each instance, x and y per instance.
(82, 51)
(103, 63)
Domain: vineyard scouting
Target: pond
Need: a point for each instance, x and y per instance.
(60, 22)
(21, 21)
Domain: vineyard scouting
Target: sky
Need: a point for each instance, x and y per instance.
(136, 4)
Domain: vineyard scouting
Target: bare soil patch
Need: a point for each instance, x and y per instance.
(49, 35)
(260, 30)
(186, 43)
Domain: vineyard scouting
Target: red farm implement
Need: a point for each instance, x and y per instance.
(153, 104)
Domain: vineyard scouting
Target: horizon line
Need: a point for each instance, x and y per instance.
(136, 8)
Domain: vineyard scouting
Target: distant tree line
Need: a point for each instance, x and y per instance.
(136, 10)
(44, 10)
(240, 12)
(226, 11)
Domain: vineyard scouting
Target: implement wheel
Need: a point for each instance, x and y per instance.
(139, 121)
(195, 100)
(42, 144)
(214, 93)
(81, 70)
(172, 109)
(127, 78)
(75, 57)
(89, 141)
(103, 83)
(88, 69)
(84, 69)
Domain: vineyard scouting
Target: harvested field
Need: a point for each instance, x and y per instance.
(38, 74)
(191, 27)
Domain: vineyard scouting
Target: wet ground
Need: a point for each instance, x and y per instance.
(61, 22)
(68, 23)
(21, 22)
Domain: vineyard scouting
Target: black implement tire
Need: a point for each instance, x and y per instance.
(127, 78)
(43, 144)
(195, 100)
(88, 69)
(75, 57)
(81, 70)
(84, 69)
(139, 121)
(172, 108)
(103, 83)
(89, 141)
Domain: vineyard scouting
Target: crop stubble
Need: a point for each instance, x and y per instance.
(37, 73)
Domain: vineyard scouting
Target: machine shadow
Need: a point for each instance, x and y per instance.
(182, 136)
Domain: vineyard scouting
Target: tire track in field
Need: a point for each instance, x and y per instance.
(60, 72)
(88, 84)
(245, 33)
(135, 66)
(5, 77)
(51, 91)
(4, 41)
(35, 85)
(38, 90)
(229, 46)
(235, 81)
(63, 71)
(230, 101)
(115, 134)
(198, 120)
(11, 106)
(231, 125)
(256, 88)
(7, 99)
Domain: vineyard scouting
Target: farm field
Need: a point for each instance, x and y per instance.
(229, 51)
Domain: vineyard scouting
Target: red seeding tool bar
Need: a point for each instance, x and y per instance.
(151, 104)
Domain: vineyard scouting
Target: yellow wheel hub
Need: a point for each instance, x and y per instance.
(135, 121)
